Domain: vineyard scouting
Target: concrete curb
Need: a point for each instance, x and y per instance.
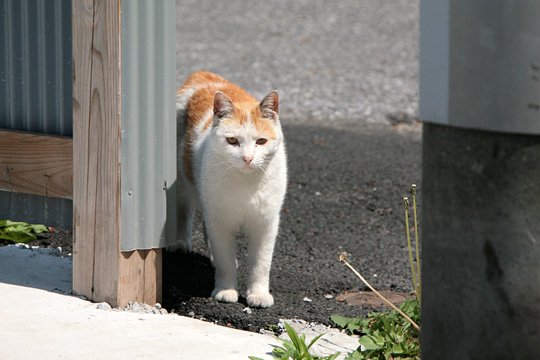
(46, 325)
(39, 322)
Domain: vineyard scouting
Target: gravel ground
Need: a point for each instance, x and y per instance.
(330, 60)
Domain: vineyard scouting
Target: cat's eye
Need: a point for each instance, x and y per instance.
(261, 141)
(232, 140)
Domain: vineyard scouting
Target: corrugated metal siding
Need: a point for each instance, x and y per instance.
(36, 209)
(35, 66)
(148, 124)
(35, 90)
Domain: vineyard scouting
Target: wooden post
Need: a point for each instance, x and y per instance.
(101, 272)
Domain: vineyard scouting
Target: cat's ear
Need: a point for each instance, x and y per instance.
(270, 106)
(223, 106)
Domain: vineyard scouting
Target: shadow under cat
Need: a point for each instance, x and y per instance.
(186, 276)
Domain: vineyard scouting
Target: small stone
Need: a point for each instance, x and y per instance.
(308, 300)
(191, 314)
(158, 306)
(103, 306)
(247, 310)
(328, 296)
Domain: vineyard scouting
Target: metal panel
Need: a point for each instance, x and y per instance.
(490, 79)
(35, 66)
(434, 58)
(495, 65)
(148, 124)
(35, 90)
(36, 209)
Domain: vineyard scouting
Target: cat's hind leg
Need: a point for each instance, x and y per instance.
(184, 221)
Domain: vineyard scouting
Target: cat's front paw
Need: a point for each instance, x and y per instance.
(225, 295)
(260, 300)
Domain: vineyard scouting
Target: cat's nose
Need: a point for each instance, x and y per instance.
(247, 159)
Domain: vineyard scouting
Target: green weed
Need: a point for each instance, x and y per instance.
(20, 232)
(385, 335)
(296, 348)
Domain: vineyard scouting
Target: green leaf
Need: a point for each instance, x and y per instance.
(356, 355)
(371, 342)
(314, 340)
(18, 236)
(341, 321)
(20, 232)
(38, 228)
(352, 325)
(299, 342)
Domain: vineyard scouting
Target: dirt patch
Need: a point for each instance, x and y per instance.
(370, 299)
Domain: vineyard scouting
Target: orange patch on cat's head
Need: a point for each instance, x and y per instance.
(263, 124)
(262, 117)
(243, 117)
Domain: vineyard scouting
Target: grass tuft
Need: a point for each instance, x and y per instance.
(296, 348)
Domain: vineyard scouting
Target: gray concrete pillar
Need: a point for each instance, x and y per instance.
(481, 245)
(480, 100)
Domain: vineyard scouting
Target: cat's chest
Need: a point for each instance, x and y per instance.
(244, 198)
(247, 193)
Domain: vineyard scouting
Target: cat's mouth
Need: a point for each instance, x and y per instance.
(247, 168)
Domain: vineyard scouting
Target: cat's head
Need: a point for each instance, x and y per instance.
(247, 134)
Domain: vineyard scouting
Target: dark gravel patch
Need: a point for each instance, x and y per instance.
(344, 194)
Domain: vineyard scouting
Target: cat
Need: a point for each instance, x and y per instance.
(232, 166)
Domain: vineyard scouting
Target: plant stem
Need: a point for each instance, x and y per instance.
(419, 290)
(409, 246)
(343, 259)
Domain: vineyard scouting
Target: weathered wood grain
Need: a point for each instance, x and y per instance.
(85, 158)
(101, 271)
(36, 164)
(140, 277)
(153, 277)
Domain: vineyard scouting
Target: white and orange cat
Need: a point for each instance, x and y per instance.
(232, 166)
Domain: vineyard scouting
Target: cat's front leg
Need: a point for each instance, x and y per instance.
(262, 237)
(223, 247)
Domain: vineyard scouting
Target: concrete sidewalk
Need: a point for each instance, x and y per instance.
(36, 323)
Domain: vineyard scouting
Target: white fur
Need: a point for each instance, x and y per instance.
(235, 196)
